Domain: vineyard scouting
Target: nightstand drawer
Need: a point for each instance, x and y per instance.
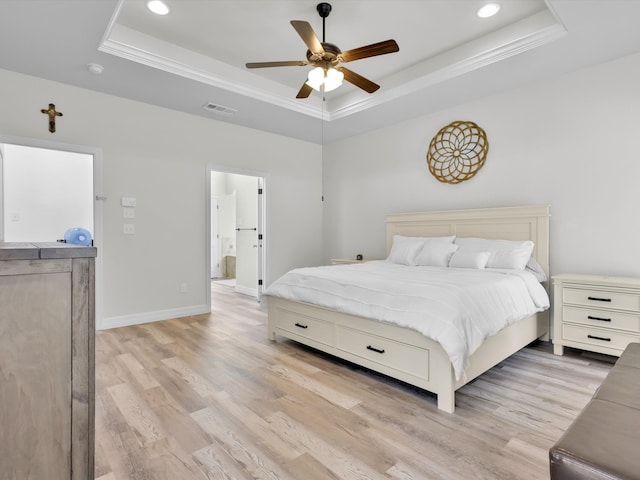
(601, 318)
(598, 337)
(601, 298)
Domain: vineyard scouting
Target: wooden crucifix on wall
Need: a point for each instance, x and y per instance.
(51, 111)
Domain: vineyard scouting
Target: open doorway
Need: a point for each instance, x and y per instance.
(237, 230)
(47, 188)
(45, 192)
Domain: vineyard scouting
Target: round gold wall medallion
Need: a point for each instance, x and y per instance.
(457, 152)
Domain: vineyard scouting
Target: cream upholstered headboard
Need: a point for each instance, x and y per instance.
(508, 223)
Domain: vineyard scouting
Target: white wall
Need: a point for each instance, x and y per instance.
(571, 143)
(160, 157)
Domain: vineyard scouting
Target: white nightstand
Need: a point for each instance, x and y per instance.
(596, 313)
(345, 261)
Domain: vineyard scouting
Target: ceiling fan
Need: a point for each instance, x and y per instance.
(327, 59)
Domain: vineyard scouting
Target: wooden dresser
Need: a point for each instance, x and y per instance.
(596, 313)
(47, 331)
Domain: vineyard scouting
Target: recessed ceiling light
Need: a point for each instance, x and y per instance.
(158, 7)
(488, 10)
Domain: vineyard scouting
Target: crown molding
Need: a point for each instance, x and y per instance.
(538, 30)
(525, 35)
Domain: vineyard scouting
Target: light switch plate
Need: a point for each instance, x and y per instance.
(129, 228)
(128, 212)
(128, 201)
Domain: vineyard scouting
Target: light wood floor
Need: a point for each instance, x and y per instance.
(209, 397)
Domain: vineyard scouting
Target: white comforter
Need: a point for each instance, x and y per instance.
(456, 307)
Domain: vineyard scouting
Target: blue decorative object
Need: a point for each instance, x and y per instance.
(77, 236)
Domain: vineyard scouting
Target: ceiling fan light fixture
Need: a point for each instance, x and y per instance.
(488, 10)
(315, 79)
(158, 7)
(331, 79)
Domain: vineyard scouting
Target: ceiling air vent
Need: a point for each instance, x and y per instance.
(219, 109)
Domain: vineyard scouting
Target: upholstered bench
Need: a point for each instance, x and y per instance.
(603, 442)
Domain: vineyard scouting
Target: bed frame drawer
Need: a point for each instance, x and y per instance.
(598, 318)
(602, 298)
(306, 327)
(399, 356)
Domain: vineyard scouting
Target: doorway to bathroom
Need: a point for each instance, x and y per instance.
(237, 231)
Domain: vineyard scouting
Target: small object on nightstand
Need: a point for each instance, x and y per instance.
(359, 257)
(596, 313)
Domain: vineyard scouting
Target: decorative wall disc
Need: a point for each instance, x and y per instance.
(457, 152)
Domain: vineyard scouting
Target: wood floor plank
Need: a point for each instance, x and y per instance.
(210, 397)
(195, 381)
(216, 464)
(338, 460)
(137, 371)
(307, 382)
(137, 413)
(240, 446)
(259, 427)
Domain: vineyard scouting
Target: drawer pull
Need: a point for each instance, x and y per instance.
(301, 325)
(377, 350)
(604, 339)
(591, 317)
(596, 299)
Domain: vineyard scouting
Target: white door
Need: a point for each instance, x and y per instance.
(246, 234)
(260, 235)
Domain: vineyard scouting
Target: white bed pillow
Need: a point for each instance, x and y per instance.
(464, 258)
(534, 267)
(405, 249)
(435, 254)
(511, 254)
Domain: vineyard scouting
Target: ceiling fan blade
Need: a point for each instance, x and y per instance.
(308, 36)
(358, 80)
(305, 91)
(293, 63)
(380, 48)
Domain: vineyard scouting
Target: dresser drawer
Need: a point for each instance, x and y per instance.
(601, 318)
(307, 327)
(601, 298)
(598, 337)
(399, 356)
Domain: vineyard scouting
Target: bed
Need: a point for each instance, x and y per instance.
(404, 353)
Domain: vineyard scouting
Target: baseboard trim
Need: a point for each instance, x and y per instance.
(147, 317)
(252, 292)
